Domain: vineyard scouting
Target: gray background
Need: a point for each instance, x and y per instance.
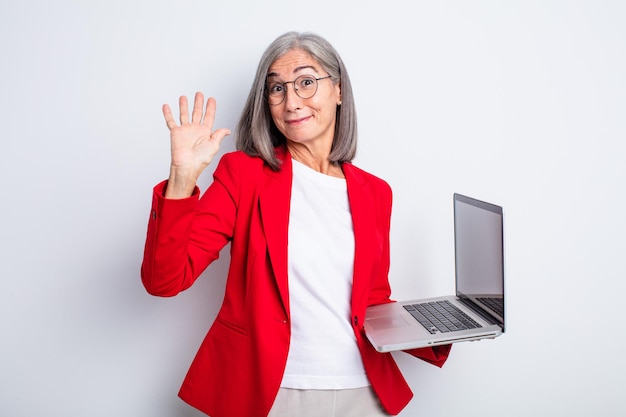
(520, 103)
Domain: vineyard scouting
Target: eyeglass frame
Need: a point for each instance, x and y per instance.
(295, 89)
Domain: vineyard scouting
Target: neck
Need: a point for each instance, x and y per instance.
(317, 161)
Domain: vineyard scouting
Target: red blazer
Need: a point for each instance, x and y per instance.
(239, 367)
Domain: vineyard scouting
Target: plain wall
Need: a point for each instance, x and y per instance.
(520, 103)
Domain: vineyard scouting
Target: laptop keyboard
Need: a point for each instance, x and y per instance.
(441, 316)
(495, 304)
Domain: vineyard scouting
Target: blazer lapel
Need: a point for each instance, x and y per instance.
(274, 201)
(362, 207)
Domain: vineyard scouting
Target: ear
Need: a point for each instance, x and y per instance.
(338, 92)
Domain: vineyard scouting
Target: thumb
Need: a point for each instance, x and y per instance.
(220, 134)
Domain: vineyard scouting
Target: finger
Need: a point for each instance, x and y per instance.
(196, 115)
(219, 135)
(184, 110)
(169, 119)
(209, 115)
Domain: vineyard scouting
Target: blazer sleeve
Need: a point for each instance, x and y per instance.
(185, 236)
(436, 355)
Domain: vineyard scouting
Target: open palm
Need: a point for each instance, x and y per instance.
(194, 143)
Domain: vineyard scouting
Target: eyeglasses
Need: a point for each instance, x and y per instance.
(305, 86)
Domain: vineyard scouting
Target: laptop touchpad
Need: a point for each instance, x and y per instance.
(388, 322)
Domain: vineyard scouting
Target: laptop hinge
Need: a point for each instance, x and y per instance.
(469, 303)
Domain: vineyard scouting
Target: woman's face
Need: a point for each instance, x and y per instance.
(305, 121)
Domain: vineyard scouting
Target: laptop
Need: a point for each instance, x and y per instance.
(475, 312)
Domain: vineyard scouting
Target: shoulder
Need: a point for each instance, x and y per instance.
(238, 164)
(241, 159)
(359, 175)
(246, 172)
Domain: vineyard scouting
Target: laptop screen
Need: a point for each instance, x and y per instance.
(479, 254)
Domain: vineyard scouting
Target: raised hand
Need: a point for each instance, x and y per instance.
(193, 144)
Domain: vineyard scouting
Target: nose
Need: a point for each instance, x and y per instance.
(292, 99)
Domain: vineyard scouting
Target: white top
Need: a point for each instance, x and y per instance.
(323, 353)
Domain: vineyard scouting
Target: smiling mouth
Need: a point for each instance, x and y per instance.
(297, 121)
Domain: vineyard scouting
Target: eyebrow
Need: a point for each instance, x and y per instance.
(298, 69)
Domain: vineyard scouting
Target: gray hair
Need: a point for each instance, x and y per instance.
(257, 135)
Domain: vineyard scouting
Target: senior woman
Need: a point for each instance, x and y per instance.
(309, 236)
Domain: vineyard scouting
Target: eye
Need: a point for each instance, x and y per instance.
(306, 82)
(276, 88)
